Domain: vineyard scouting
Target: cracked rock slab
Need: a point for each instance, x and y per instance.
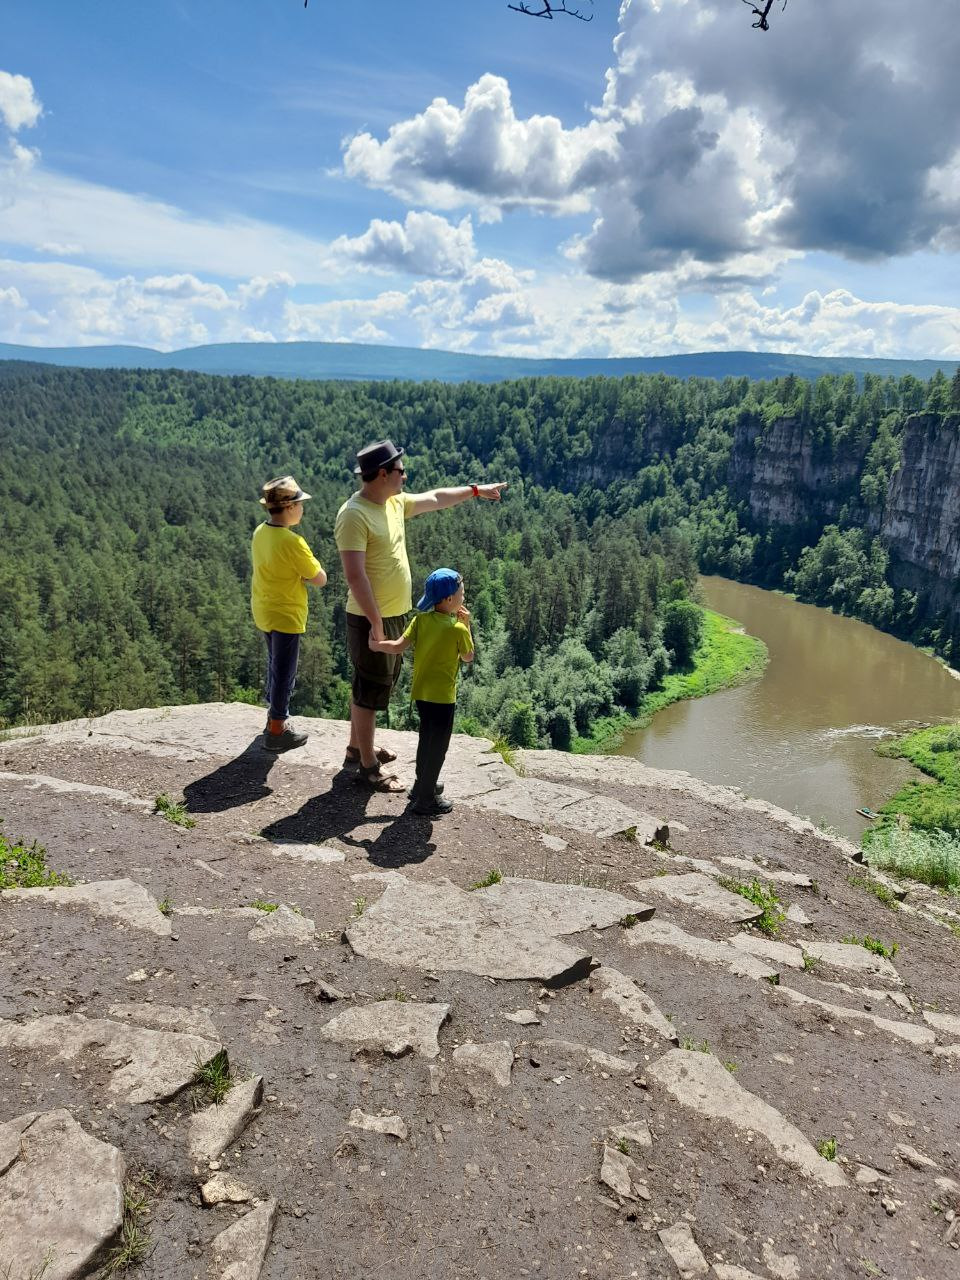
(284, 924)
(166, 1017)
(61, 1196)
(699, 892)
(122, 901)
(947, 1022)
(391, 1126)
(240, 1251)
(727, 1271)
(439, 927)
(632, 1002)
(701, 1083)
(848, 955)
(792, 878)
(622, 1175)
(779, 953)
(306, 852)
(683, 1249)
(663, 933)
(586, 1055)
(902, 1030)
(557, 909)
(395, 1026)
(493, 1058)
(155, 1064)
(214, 1128)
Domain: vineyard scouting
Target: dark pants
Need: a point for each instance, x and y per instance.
(436, 725)
(283, 653)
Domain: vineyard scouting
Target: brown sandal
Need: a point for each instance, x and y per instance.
(383, 755)
(378, 781)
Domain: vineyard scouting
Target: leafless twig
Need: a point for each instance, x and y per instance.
(548, 9)
(762, 14)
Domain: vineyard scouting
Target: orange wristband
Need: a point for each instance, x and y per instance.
(476, 491)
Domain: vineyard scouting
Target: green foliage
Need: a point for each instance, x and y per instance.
(682, 630)
(932, 857)
(886, 949)
(214, 1077)
(880, 891)
(492, 877)
(24, 866)
(772, 914)
(173, 811)
(165, 906)
(921, 806)
(827, 1147)
(259, 904)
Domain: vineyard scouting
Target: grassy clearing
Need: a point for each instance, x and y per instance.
(932, 857)
(24, 866)
(772, 914)
(726, 657)
(214, 1078)
(173, 811)
(928, 806)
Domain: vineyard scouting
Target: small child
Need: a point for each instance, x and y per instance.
(441, 640)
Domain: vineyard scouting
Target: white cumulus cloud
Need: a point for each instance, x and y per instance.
(19, 105)
(424, 244)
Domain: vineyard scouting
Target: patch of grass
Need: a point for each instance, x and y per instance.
(880, 891)
(135, 1244)
(827, 1147)
(732, 1067)
(359, 907)
(931, 857)
(165, 905)
(214, 1077)
(772, 914)
(397, 994)
(810, 962)
(628, 921)
(260, 905)
(24, 866)
(173, 811)
(36, 1274)
(870, 1268)
(697, 1046)
(492, 877)
(508, 753)
(623, 1146)
(886, 949)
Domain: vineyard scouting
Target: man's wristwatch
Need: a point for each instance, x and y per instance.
(475, 490)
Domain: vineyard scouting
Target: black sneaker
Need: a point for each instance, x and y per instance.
(437, 791)
(285, 741)
(439, 804)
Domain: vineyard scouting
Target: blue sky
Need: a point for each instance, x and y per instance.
(661, 179)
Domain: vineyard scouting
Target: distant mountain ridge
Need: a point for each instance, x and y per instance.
(356, 362)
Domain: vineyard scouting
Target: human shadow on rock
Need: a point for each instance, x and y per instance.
(240, 782)
(337, 813)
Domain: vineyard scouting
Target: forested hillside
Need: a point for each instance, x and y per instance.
(129, 498)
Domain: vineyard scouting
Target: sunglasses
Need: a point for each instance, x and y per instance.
(400, 470)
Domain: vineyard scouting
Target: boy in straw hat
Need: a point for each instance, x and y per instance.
(283, 566)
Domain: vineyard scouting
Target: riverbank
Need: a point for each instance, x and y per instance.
(726, 657)
(933, 805)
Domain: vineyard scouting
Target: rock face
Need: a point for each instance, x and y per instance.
(700, 1082)
(122, 901)
(61, 1196)
(155, 1064)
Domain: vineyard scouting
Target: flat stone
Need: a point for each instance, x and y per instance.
(306, 852)
(64, 786)
(554, 842)
(727, 1271)
(685, 860)
(557, 909)
(622, 1175)
(948, 1022)
(214, 1128)
(699, 892)
(914, 1158)
(635, 1131)
(240, 1251)
(224, 1190)
(284, 924)
(391, 1126)
(537, 801)
(632, 1002)
(867, 1176)
(895, 997)
(439, 927)
(902, 1030)
(784, 1266)
(683, 1249)
(949, 1185)
(796, 915)
(122, 901)
(155, 1064)
(166, 1017)
(792, 878)
(395, 1026)
(947, 1051)
(586, 1055)
(779, 953)
(523, 1018)
(61, 1196)
(664, 933)
(847, 955)
(702, 1084)
(493, 1058)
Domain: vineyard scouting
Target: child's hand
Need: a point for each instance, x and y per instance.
(374, 644)
(463, 613)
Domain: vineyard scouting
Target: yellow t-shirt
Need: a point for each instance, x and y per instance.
(278, 596)
(380, 532)
(439, 641)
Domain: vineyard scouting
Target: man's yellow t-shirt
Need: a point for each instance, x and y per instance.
(439, 641)
(278, 596)
(380, 532)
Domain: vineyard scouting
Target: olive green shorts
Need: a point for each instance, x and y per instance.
(374, 674)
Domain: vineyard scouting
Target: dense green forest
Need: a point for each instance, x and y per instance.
(129, 497)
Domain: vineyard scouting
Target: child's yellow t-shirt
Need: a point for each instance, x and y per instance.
(439, 641)
(278, 596)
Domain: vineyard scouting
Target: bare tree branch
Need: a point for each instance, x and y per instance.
(548, 9)
(762, 14)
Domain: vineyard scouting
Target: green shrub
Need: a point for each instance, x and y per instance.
(772, 915)
(932, 857)
(24, 866)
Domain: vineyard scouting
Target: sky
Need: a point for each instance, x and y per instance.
(661, 179)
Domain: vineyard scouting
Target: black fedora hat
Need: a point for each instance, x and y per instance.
(374, 456)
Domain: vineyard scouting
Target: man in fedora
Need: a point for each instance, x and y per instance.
(283, 567)
(371, 538)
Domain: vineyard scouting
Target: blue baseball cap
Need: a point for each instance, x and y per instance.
(440, 584)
